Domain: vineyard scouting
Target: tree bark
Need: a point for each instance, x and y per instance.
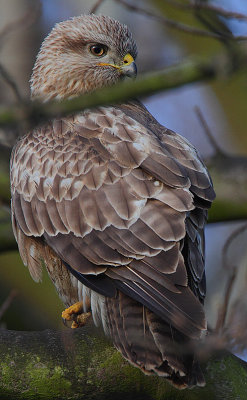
(84, 365)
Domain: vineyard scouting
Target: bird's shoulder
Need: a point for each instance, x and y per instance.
(119, 138)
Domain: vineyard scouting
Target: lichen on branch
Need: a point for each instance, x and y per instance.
(84, 365)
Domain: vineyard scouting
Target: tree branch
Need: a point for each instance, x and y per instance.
(180, 26)
(10, 82)
(210, 7)
(25, 21)
(189, 71)
(94, 9)
(7, 302)
(82, 364)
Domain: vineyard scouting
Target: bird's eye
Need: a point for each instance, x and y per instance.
(98, 50)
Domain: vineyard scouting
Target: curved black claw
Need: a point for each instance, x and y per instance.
(67, 322)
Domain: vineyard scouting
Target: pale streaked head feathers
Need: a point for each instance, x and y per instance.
(66, 68)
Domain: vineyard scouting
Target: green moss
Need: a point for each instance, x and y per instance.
(114, 372)
(229, 378)
(34, 378)
(47, 381)
(39, 366)
(6, 372)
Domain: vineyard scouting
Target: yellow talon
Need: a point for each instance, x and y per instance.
(76, 308)
(75, 313)
(74, 325)
(81, 320)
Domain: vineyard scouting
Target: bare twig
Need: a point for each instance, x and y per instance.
(95, 7)
(232, 270)
(225, 306)
(169, 22)
(205, 6)
(7, 302)
(24, 21)
(229, 240)
(10, 82)
(180, 26)
(207, 131)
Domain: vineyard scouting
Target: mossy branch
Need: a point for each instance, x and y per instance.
(187, 72)
(83, 365)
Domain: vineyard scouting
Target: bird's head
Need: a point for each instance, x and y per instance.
(83, 54)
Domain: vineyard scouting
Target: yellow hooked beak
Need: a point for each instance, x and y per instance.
(128, 59)
(128, 67)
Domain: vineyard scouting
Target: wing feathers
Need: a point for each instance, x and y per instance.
(148, 236)
(123, 201)
(55, 216)
(114, 193)
(178, 199)
(187, 315)
(171, 228)
(114, 243)
(93, 216)
(165, 175)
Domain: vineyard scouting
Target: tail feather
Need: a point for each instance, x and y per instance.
(137, 333)
(151, 344)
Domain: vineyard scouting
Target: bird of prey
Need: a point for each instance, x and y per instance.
(114, 205)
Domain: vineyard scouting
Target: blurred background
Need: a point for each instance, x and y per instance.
(25, 305)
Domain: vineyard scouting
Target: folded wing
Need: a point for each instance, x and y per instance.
(122, 198)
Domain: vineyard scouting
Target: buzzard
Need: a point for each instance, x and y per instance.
(114, 205)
